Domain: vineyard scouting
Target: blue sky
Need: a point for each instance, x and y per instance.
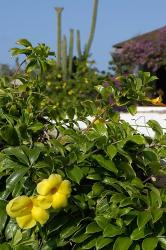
(118, 20)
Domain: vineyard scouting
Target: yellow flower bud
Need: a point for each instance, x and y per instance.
(26, 222)
(70, 92)
(99, 121)
(86, 80)
(59, 200)
(40, 215)
(19, 206)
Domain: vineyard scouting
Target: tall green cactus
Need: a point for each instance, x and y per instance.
(71, 48)
(64, 57)
(79, 45)
(92, 30)
(59, 32)
(64, 60)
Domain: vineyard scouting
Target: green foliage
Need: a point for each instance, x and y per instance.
(116, 201)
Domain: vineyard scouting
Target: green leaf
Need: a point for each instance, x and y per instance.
(156, 127)
(137, 182)
(125, 154)
(155, 198)
(37, 126)
(70, 113)
(112, 230)
(132, 109)
(29, 68)
(9, 135)
(11, 229)
(92, 228)
(91, 243)
(115, 116)
(111, 151)
(80, 236)
(139, 234)
(33, 154)
(14, 178)
(107, 164)
(138, 139)
(41, 164)
(89, 106)
(101, 221)
(122, 243)
(162, 241)
(55, 225)
(128, 170)
(24, 247)
(17, 51)
(149, 243)
(101, 128)
(143, 218)
(3, 215)
(18, 188)
(136, 247)
(95, 176)
(118, 198)
(17, 237)
(69, 230)
(97, 189)
(43, 65)
(150, 155)
(5, 246)
(18, 153)
(74, 173)
(24, 42)
(156, 214)
(102, 242)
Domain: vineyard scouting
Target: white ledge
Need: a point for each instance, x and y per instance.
(144, 114)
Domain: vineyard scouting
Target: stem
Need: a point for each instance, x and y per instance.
(95, 118)
(19, 66)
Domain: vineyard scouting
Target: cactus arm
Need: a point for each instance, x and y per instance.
(64, 57)
(59, 32)
(71, 46)
(92, 30)
(79, 45)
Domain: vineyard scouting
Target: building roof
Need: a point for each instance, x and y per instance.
(152, 35)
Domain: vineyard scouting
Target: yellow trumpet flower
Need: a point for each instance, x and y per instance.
(157, 100)
(26, 211)
(53, 192)
(19, 206)
(29, 210)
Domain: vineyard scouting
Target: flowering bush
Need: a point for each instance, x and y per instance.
(114, 176)
(148, 52)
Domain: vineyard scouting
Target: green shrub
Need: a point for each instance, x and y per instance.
(118, 197)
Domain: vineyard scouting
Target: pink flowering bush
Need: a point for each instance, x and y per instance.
(147, 51)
